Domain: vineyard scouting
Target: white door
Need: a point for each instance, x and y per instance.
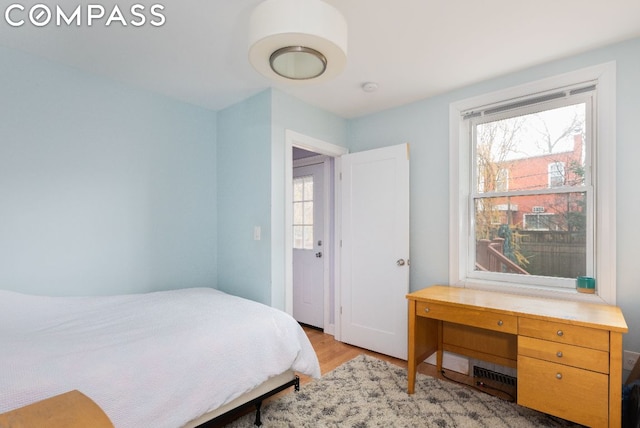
(308, 244)
(375, 249)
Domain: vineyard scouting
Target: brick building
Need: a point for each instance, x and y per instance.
(545, 211)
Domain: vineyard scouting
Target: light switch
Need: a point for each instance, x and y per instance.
(257, 232)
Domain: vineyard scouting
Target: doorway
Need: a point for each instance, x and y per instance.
(331, 158)
(361, 267)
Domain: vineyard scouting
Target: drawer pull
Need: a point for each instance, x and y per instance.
(559, 354)
(560, 333)
(500, 323)
(558, 375)
(426, 309)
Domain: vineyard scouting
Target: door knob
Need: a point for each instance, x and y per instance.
(319, 254)
(400, 262)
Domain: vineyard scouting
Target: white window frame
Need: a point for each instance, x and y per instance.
(602, 171)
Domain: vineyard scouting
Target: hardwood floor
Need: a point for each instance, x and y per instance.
(332, 353)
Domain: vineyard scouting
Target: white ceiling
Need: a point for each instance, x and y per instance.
(412, 48)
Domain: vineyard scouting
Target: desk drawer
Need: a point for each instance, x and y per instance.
(561, 353)
(564, 333)
(468, 316)
(578, 395)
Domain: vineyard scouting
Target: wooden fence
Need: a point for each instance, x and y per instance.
(550, 253)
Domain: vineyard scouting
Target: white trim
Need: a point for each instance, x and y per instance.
(605, 173)
(603, 170)
(302, 141)
(337, 245)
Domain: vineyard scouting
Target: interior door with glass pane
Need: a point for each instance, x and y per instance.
(308, 252)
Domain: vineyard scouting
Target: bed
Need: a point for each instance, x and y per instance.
(164, 359)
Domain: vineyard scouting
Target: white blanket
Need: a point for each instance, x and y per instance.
(148, 360)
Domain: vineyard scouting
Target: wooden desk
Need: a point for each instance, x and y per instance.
(568, 354)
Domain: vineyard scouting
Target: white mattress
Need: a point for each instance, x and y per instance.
(159, 359)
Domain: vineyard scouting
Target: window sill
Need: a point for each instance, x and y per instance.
(570, 294)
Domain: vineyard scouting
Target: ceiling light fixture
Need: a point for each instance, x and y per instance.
(299, 40)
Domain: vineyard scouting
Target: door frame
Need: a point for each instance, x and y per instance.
(295, 139)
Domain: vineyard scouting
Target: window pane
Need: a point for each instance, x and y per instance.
(303, 213)
(298, 237)
(532, 151)
(308, 188)
(298, 217)
(308, 213)
(308, 237)
(532, 235)
(297, 189)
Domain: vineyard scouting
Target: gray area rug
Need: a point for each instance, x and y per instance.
(367, 392)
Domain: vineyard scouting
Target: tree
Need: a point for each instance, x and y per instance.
(495, 144)
(550, 138)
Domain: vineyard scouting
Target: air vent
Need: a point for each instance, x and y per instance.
(481, 372)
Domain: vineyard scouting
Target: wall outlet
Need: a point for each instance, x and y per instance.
(629, 360)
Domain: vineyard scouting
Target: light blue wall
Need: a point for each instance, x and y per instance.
(104, 189)
(424, 125)
(244, 198)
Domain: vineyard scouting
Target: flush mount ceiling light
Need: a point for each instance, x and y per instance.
(299, 40)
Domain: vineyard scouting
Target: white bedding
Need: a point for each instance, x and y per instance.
(148, 360)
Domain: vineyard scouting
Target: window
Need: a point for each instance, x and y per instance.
(539, 158)
(539, 221)
(303, 213)
(534, 142)
(502, 180)
(557, 174)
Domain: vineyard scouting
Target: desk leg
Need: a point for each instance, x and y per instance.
(615, 379)
(412, 364)
(422, 342)
(439, 352)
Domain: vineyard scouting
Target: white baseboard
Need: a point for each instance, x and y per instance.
(330, 329)
(451, 362)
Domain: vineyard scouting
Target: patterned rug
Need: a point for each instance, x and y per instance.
(367, 392)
